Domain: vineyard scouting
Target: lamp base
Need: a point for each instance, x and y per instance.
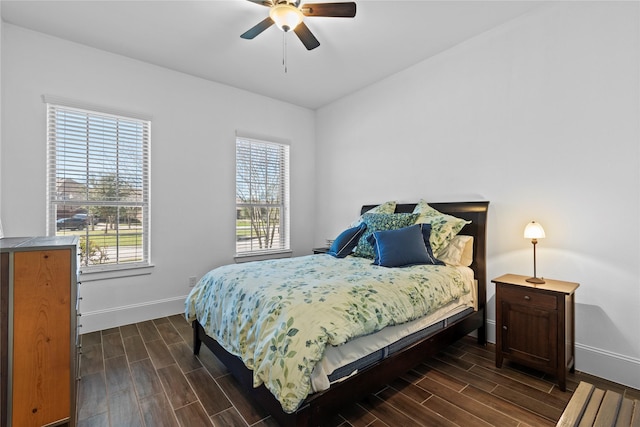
(535, 280)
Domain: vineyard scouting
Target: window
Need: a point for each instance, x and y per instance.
(262, 197)
(98, 185)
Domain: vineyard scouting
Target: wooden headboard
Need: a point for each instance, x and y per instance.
(476, 212)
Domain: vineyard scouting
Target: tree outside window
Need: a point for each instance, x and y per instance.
(262, 196)
(98, 184)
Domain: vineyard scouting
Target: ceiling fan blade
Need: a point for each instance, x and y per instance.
(336, 10)
(257, 29)
(306, 37)
(267, 3)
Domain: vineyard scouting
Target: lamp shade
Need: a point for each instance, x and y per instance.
(286, 16)
(533, 230)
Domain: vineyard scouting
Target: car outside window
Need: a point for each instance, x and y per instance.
(98, 185)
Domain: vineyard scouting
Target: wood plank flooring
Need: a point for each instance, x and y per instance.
(146, 375)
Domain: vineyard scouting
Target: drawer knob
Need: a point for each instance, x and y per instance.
(527, 297)
(504, 327)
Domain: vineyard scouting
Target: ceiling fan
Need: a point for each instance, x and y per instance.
(289, 15)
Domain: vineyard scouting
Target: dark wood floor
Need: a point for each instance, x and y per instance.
(145, 374)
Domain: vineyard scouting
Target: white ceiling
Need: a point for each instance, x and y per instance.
(202, 38)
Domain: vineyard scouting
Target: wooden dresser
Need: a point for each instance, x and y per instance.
(38, 331)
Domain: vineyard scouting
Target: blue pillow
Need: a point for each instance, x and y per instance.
(344, 244)
(426, 235)
(381, 222)
(402, 247)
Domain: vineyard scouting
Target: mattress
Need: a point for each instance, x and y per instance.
(280, 316)
(340, 362)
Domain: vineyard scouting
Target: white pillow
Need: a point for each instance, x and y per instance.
(459, 251)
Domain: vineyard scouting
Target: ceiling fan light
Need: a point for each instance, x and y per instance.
(286, 16)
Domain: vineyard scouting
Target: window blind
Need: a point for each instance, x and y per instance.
(262, 197)
(98, 184)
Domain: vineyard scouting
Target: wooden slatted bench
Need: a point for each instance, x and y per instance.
(591, 406)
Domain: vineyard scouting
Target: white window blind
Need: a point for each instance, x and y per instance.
(262, 197)
(98, 185)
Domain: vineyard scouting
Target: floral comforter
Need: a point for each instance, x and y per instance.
(279, 315)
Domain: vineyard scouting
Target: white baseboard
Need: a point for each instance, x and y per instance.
(110, 318)
(491, 330)
(596, 361)
(609, 365)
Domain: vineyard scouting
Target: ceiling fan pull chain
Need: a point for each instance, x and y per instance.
(284, 62)
(284, 51)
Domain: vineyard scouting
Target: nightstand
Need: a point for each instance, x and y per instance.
(535, 324)
(320, 250)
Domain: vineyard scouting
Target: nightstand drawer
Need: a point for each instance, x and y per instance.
(518, 295)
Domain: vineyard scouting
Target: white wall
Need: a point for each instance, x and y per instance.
(541, 118)
(192, 162)
(1, 97)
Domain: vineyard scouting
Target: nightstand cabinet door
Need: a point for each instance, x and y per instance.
(529, 332)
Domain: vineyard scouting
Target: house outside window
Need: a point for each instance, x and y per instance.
(98, 185)
(262, 197)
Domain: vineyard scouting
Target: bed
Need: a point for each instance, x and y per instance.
(306, 397)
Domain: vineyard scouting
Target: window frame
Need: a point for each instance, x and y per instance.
(284, 245)
(89, 112)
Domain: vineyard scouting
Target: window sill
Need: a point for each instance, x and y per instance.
(115, 273)
(261, 257)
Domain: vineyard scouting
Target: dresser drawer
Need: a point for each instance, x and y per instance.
(525, 296)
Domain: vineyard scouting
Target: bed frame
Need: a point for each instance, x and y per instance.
(325, 404)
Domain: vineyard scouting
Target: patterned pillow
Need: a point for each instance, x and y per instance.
(443, 227)
(380, 222)
(386, 207)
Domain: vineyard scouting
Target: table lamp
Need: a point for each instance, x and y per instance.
(534, 231)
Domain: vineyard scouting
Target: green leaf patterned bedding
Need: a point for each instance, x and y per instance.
(279, 315)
